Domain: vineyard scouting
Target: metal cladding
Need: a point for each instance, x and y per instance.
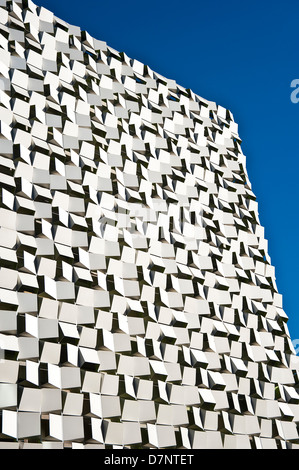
(138, 301)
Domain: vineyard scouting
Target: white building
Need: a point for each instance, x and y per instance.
(138, 301)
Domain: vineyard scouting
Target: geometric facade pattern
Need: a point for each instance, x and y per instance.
(138, 304)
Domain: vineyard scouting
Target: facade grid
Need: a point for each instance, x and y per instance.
(138, 303)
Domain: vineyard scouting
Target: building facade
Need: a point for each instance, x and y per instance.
(138, 302)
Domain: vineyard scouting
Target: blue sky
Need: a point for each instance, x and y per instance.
(244, 56)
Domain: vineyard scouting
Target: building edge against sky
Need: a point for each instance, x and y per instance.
(138, 301)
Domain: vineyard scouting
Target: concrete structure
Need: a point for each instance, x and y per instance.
(138, 301)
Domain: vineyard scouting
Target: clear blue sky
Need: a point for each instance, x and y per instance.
(243, 55)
